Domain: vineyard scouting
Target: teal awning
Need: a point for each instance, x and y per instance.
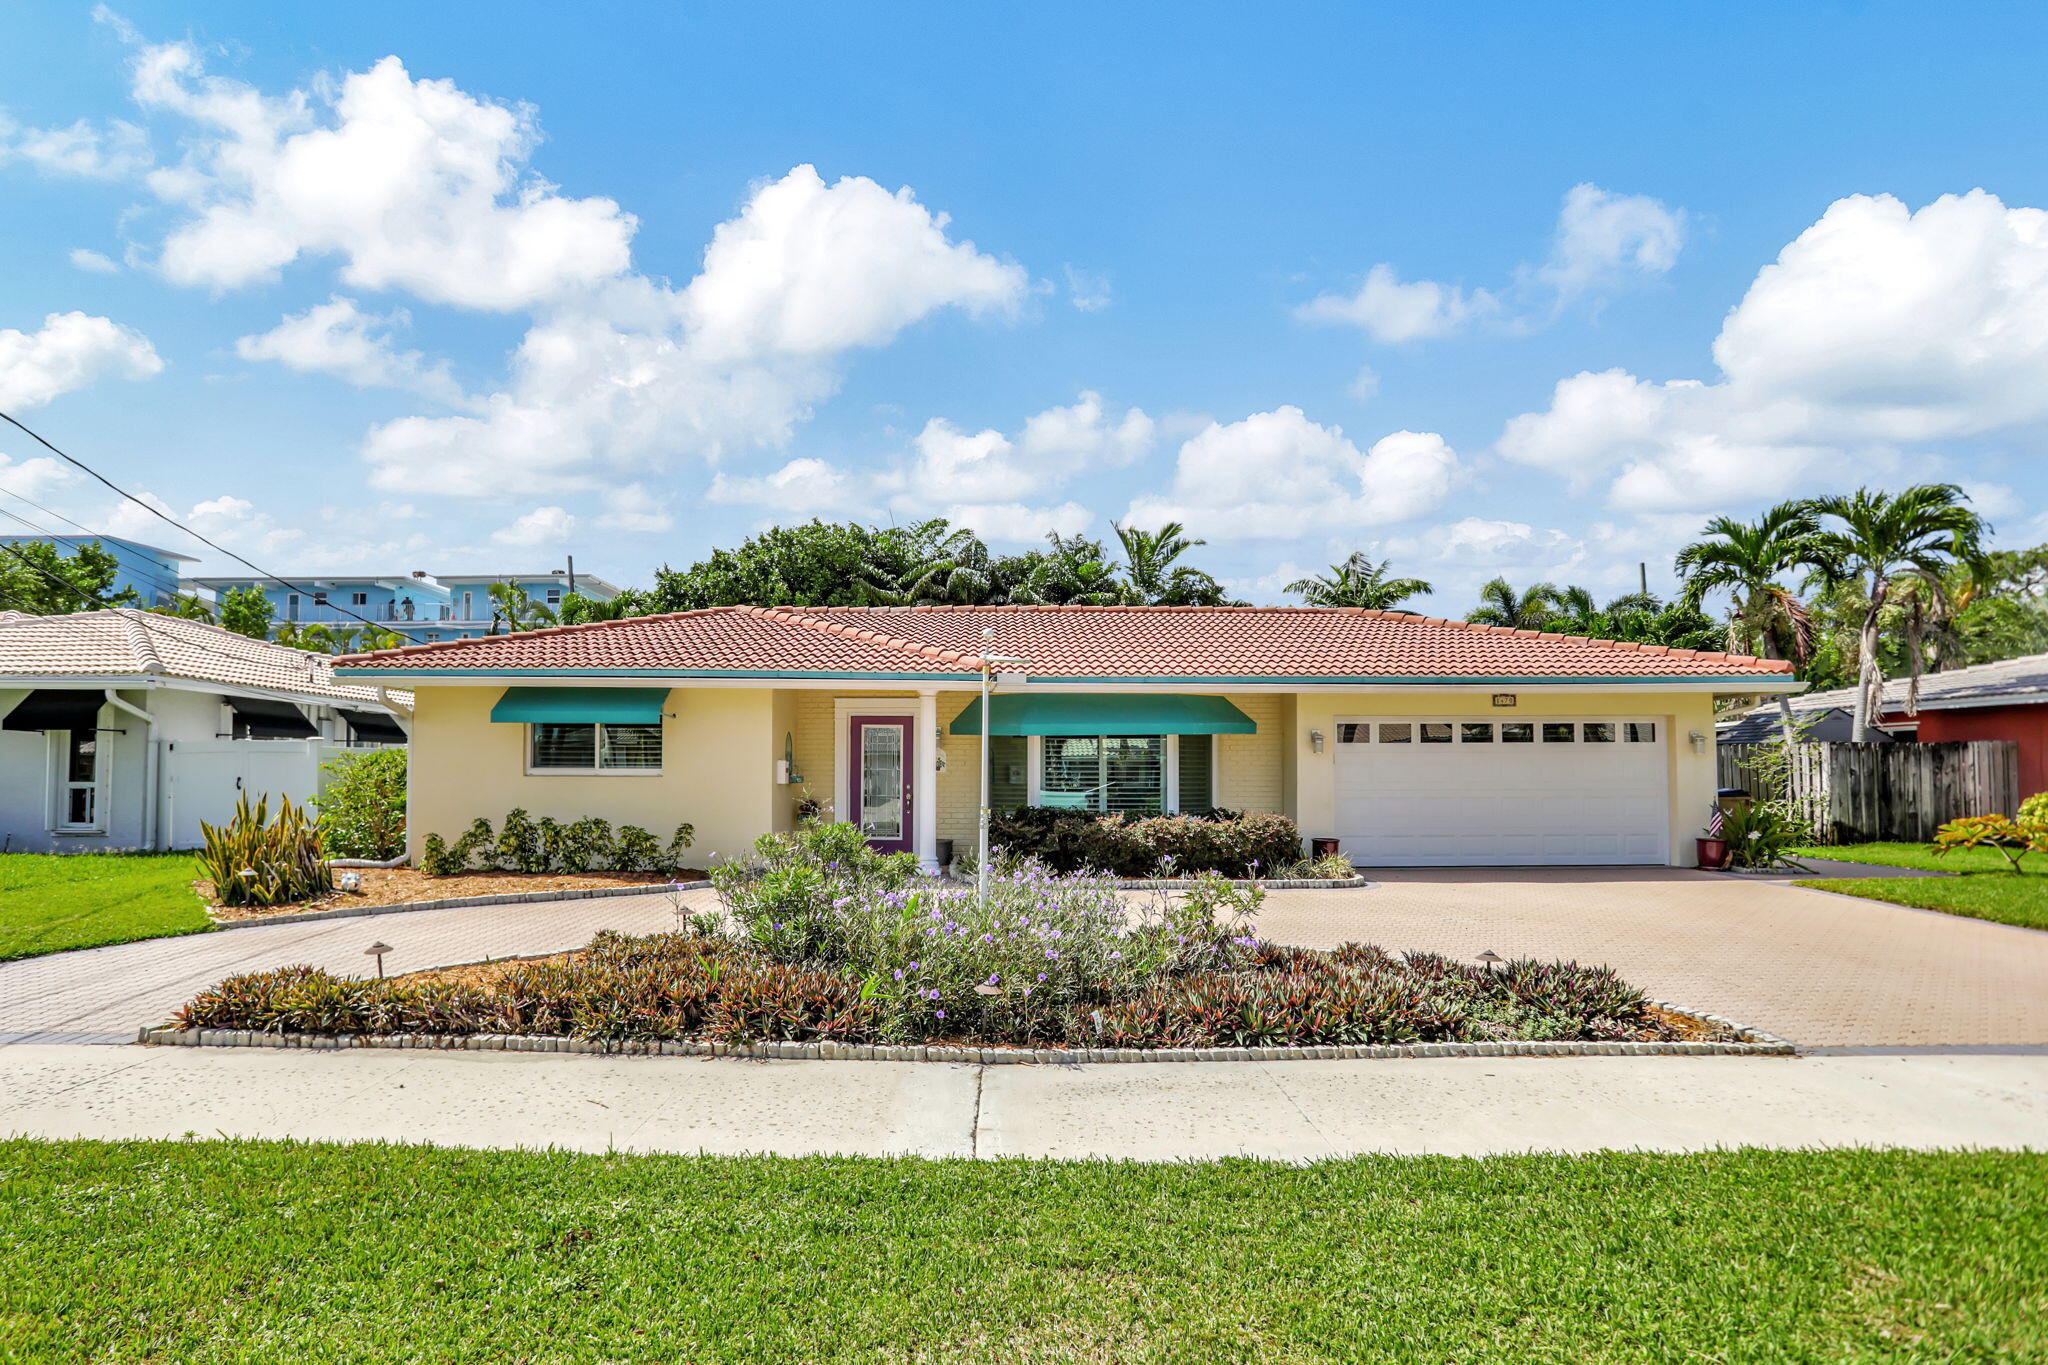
(1106, 713)
(580, 705)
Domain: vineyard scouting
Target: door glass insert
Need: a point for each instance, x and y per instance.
(1599, 732)
(1436, 732)
(1559, 732)
(1640, 731)
(1518, 732)
(1476, 732)
(1397, 732)
(881, 781)
(1348, 732)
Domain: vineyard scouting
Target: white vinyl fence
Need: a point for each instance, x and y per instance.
(203, 779)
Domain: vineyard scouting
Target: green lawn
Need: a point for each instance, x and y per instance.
(53, 901)
(226, 1252)
(1984, 889)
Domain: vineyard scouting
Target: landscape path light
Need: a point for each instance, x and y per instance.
(1491, 959)
(377, 950)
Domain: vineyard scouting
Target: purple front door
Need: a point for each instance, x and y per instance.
(878, 780)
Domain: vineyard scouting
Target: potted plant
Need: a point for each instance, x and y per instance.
(1711, 850)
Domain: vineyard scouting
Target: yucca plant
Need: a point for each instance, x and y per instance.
(252, 860)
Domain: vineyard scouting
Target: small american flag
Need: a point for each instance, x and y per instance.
(1714, 820)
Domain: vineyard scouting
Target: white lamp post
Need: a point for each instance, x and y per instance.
(988, 664)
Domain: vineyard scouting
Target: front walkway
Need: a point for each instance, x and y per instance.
(106, 994)
(1284, 1110)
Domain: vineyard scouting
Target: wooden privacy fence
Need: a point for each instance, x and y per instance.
(1858, 793)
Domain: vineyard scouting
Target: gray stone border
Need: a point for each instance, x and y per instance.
(459, 902)
(1756, 1043)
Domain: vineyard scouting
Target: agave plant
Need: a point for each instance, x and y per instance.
(253, 860)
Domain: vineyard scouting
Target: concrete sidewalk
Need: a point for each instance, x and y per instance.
(1287, 1110)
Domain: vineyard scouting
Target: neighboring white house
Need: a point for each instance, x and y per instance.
(125, 729)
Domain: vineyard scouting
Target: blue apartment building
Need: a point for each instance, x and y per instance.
(153, 572)
(425, 607)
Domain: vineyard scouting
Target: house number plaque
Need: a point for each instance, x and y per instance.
(1503, 699)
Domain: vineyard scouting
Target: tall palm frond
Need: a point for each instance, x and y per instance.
(1501, 605)
(1358, 582)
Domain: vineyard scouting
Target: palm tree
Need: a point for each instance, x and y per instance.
(1501, 605)
(1078, 572)
(947, 567)
(1885, 540)
(1157, 581)
(1748, 559)
(1358, 582)
(511, 605)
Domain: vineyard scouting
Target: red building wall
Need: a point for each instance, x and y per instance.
(2026, 724)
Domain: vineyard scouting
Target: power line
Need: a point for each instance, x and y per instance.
(154, 579)
(169, 520)
(52, 539)
(100, 602)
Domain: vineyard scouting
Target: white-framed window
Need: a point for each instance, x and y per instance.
(79, 769)
(1134, 774)
(1467, 732)
(359, 599)
(568, 748)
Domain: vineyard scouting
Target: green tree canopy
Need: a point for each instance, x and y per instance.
(37, 578)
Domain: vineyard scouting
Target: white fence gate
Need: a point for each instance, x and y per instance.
(204, 778)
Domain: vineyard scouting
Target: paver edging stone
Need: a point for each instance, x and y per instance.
(1754, 1043)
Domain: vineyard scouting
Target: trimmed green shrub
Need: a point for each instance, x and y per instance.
(1224, 842)
(523, 844)
(253, 860)
(362, 809)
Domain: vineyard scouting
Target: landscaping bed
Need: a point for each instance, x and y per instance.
(405, 885)
(823, 941)
(221, 1252)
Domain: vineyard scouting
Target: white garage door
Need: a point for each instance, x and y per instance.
(1415, 792)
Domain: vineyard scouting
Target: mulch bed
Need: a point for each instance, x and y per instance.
(403, 885)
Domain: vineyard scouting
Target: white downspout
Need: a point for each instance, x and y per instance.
(152, 795)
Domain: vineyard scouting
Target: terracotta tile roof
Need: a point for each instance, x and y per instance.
(1066, 642)
(126, 642)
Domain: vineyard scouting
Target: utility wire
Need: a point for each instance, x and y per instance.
(53, 538)
(105, 605)
(155, 580)
(169, 520)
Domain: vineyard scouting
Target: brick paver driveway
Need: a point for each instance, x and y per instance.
(1815, 968)
(1820, 969)
(103, 993)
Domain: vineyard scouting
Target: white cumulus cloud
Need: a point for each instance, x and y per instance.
(1877, 330)
(92, 262)
(1278, 475)
(1603, 242)
(340, 339)
(68, 352)
(115, 150)
(541, 526)
(413, 184)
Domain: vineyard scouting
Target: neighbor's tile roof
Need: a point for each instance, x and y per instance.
(123, 641)
(1065, 642)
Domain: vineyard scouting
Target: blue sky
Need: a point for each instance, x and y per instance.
(394, 287)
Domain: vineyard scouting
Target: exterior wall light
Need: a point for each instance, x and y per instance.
(1315, 740)
(1698, 741)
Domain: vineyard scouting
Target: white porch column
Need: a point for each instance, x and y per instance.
(924, 818)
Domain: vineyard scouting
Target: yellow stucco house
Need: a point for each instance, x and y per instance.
(1414, 740)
